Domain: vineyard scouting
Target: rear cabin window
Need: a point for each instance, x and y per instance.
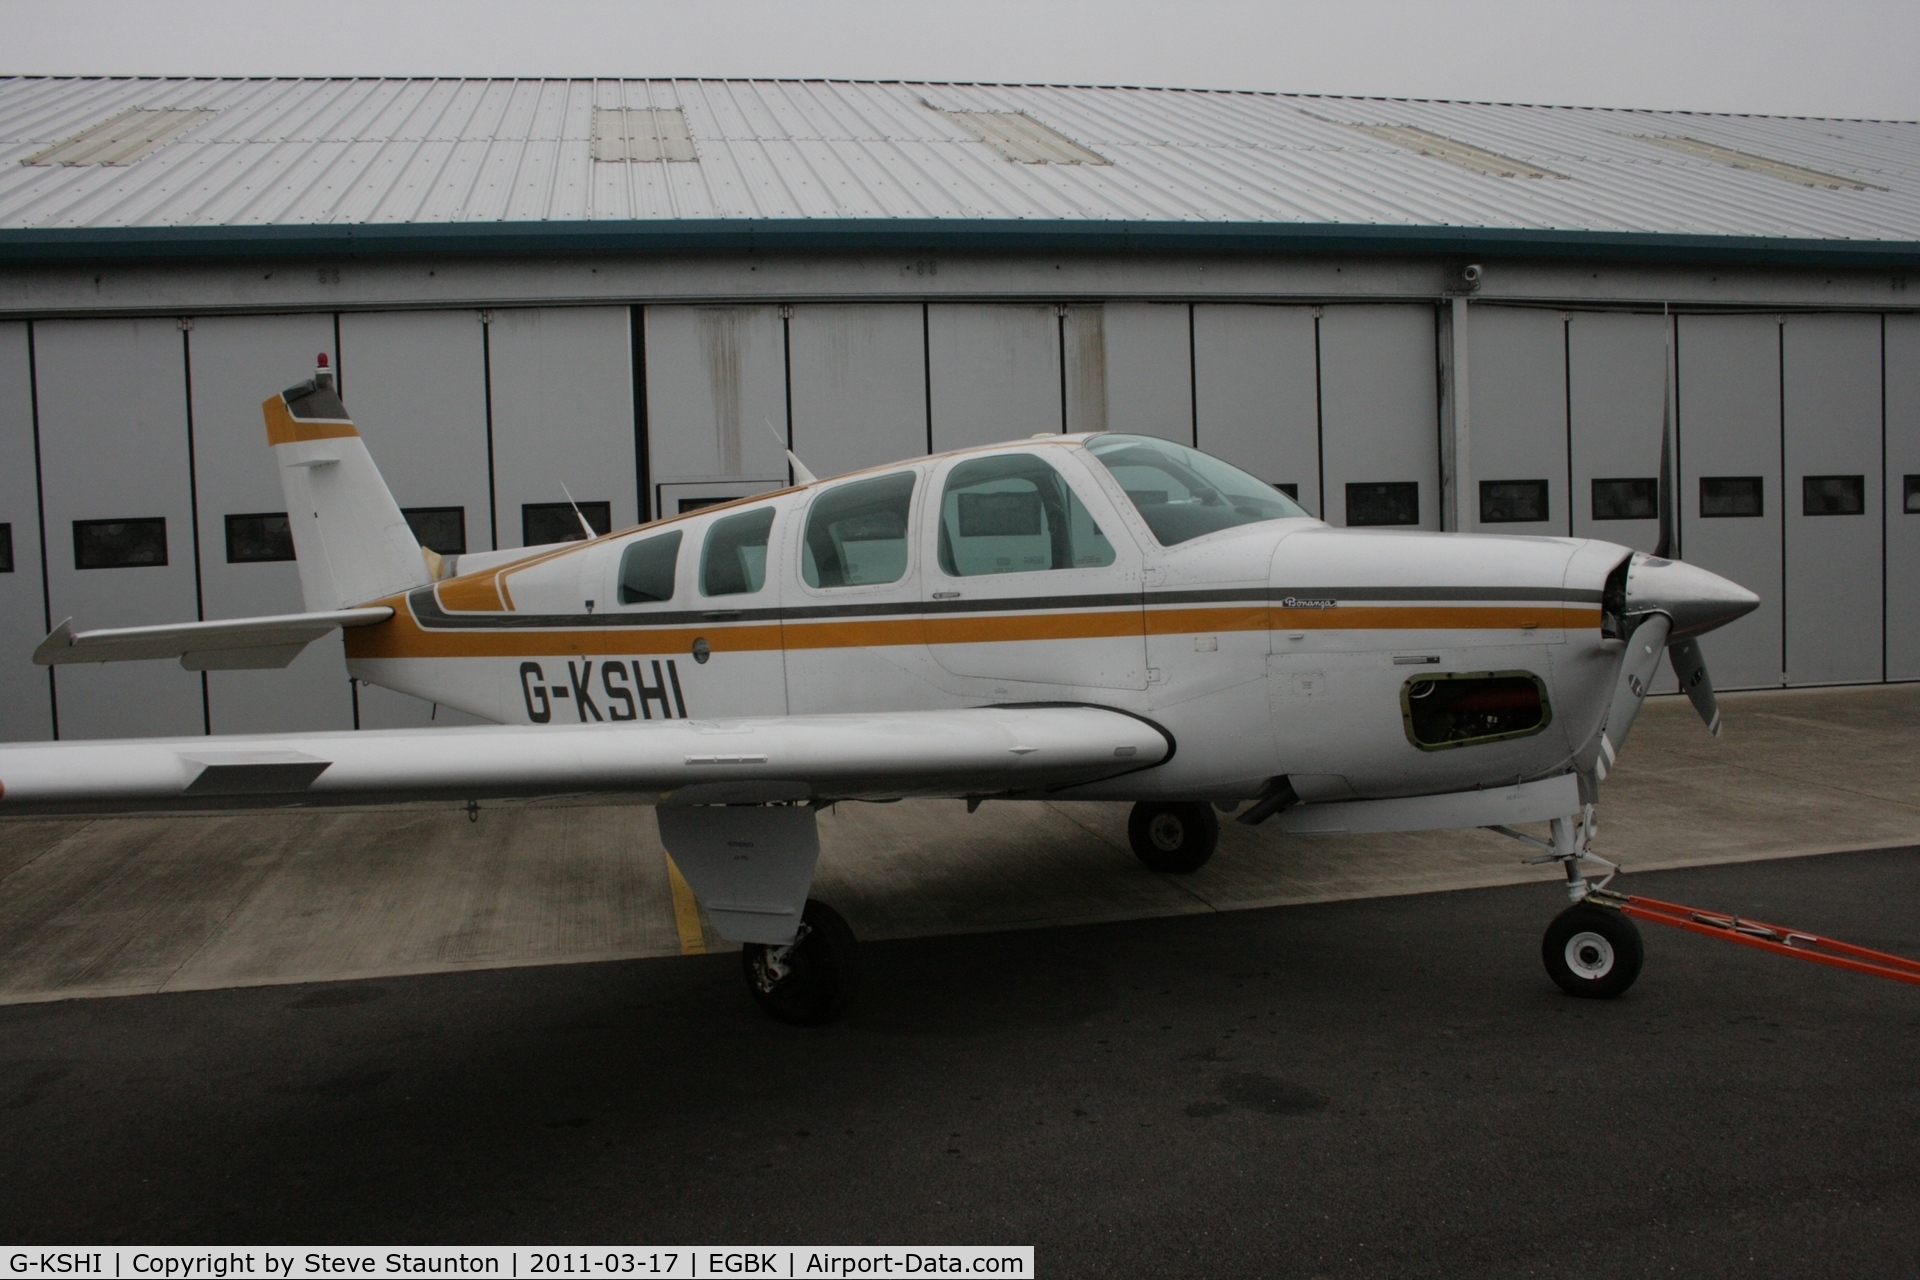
(857, 533)
(1182, 493)
(646, 569)
(1443, 711)
(1013, 513)
(735, 560)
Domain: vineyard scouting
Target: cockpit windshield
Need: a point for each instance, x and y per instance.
(1182, 493)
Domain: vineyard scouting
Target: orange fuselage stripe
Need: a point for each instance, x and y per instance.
(402, 637)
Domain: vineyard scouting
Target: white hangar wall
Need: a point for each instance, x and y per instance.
(481, 414)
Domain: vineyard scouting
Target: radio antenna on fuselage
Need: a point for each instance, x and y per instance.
(800, 473)
(579, 515)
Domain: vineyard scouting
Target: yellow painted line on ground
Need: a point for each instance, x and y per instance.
(686, 912)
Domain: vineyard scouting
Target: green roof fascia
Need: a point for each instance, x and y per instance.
(931, 235)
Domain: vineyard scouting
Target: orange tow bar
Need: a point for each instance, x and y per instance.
(1767, 937)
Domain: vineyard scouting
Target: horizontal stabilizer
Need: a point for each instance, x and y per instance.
(882, 756)
(227, 645)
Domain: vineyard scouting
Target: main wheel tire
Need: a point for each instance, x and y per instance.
(1592, 952)
(811, 980)
(1175, 837)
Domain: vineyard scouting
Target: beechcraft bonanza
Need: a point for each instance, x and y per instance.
(1095, 617)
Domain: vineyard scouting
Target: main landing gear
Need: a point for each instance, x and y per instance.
(809, 980)
(1173, 836)
(1590, 950)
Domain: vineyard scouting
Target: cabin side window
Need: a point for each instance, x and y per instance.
(1463, 709)
(646, 569)
(734, 562)
(1012, 513)
(857, 533)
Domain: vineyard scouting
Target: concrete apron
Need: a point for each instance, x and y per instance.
(98, 907)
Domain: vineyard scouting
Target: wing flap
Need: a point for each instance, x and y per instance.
(226, 645)
(887, 755)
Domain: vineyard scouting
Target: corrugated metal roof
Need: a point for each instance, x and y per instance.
(371, 153)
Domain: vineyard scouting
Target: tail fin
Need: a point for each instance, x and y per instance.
(351, 541)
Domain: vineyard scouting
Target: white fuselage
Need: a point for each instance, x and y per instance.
(1284, 647)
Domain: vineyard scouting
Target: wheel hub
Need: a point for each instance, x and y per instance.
(1167, 832)
(1590, 955)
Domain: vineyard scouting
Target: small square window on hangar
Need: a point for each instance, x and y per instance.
(6, 548)
(1513, 501)
(545, 522)
(1833, 495)
(259, 537)
(120, 544)
(439, 529)
(1634, 498)
(1392, 502)
(1732, 496)
(1911, 502)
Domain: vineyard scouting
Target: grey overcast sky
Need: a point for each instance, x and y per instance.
(1837, 57)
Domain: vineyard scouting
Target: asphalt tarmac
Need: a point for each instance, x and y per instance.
(1365, 1088)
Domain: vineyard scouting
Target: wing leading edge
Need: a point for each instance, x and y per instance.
(964, 752)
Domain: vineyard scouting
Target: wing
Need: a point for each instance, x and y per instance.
(204, 646)
(998, 751)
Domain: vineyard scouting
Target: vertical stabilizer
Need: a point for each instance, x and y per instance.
(351, 541)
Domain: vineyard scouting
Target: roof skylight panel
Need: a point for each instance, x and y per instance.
(121, 139)
(1021, 138)
(1461, 154)
(1780, 169)
(642, 135)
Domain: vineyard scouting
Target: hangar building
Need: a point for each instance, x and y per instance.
(612, 286)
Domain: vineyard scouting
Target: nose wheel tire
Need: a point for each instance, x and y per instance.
(1592, 952)
(810, 980)
(1175, 837)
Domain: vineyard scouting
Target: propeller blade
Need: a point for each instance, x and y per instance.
(1691, 667)
(1665, 548)
(1630, 690)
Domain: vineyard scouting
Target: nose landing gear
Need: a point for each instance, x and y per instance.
(1590, 950)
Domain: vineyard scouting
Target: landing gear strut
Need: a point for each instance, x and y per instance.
(1173, 836)
(809, 980)
(1591, 950)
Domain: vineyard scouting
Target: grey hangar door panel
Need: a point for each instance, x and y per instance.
(1902, 513)
(238, 361)
(859, 379)
(1830, 376)
(124, 381)
(415, 383)
(993, 373)
(1517, 419)
(1616, 367)
(1130, 368)
(562, 383)
(1379, 397)
(715, 377)
(1256, 392)
(1729, 379)
(26, 697)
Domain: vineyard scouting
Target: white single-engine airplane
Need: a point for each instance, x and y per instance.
(1092, 617)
